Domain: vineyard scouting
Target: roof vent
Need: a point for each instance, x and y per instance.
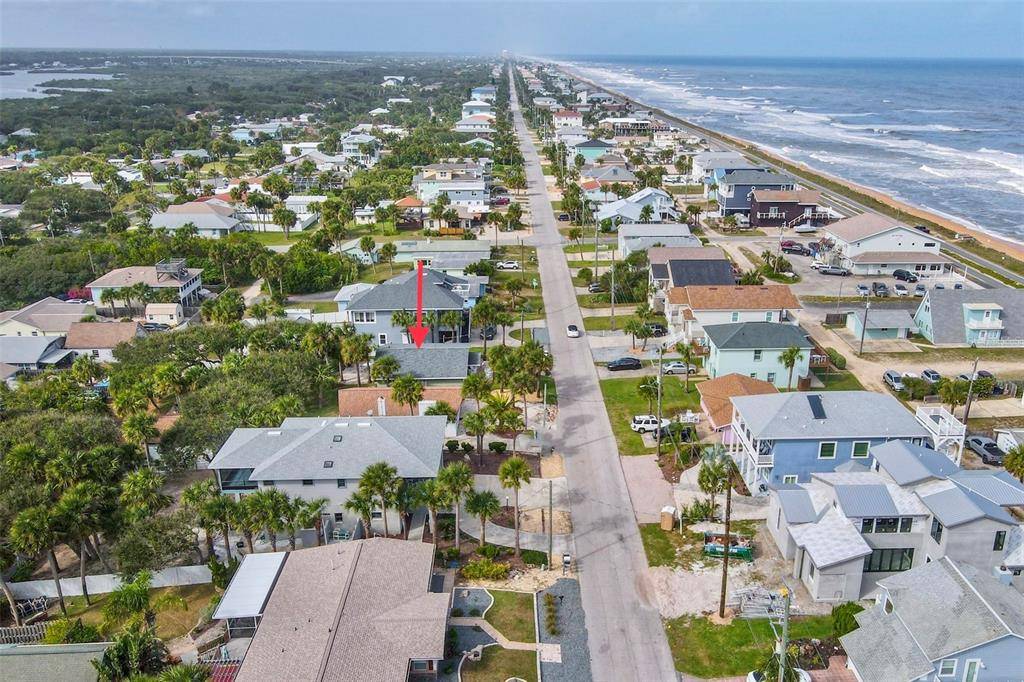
(817, 409)
(337, 438)
(363, 424)
(328, 464)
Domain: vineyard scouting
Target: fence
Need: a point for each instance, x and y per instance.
(26, 634)
(99, 584)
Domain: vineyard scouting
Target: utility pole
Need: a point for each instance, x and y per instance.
(661, 355)
(551, 523)
(864, 327)
(970, 391)
(840, 296)
(613, 290)
(784, 642)
(544, 420)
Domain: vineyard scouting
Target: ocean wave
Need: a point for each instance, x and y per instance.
(945, 175)
(912, 128)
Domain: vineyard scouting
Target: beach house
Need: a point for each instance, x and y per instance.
(689, 308)
(641, 236)
(735, 188)
(681, 266)
(46, 317)
(172, 273)
(213, 219)
(771, 208)
(873, 244)
(964, 317)
(755, 349)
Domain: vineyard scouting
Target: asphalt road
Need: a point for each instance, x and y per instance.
(625, 634)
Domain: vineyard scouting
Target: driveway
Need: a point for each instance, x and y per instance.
(648, 488)
(625, 633)
(532, 495)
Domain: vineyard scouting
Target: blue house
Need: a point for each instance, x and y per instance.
(753, 349)
(735, 188)
(589, 150)
(942, 620)
(783, 438)
(966, 317)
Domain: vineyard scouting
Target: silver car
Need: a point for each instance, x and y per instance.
(677, 367)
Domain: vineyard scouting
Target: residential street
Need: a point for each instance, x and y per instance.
(625, 634)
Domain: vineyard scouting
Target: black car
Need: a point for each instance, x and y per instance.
(489, 332)
(879, 289)
(904, 275)
(624, 363)
(563, 217)
(922, 228)
(658, 329)
(796, 249)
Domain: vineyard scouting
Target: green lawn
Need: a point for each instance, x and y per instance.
(552, 390)
(547, 169)
(706, 650)
(622, 401)
(556, 205)
(315, 306)
(595, 324)
(277, 238)
(371, 275)
(169, 624)
(840, 381)
(670, 548)
(512, 615)
(499, 664)
(587, 248)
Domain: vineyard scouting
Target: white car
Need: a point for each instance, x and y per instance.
(678, 367)
(901, 290)
(817, 264)
(507, 265)
(642, 423)
(572, 331)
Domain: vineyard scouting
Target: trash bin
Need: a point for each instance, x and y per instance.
(668, 518)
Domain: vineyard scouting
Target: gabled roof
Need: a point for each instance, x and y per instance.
(27, 350)
(664, 254)
(739, 297)
(999, 487)
(788, 196)
(126, 277)
(955, 506)
(50, 314)
(399, 293)
(744, 176)
(831, 540)
(90, 335)
(716, 394)
(594, 144)
(797, 505)
(907, 463)
(636, 230)
(699, 272)
(862, 226)
(609, 174)
(757, 335)
(948, 312)
(365, 401)
(432, 361)
(886, 318)
(299, 448)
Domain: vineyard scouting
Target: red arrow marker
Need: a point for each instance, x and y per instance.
(417, 332)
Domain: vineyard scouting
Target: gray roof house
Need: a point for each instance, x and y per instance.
(311, 457)
(755, 349)
(38, 662)
(46, 317)
(213, 219)
(960, 317)
(27, 354)
(433, 361)
(940, 620)
(359, 610)
(642, 236)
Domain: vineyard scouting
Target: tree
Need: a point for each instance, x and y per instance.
(384, 369)
(483, 504)
(476, 386)
(222, 510)
(367, 246)
(453, 320)
(141, 495)
(269, 507)
(381, 480)
(407, 390)
(457, 479)
(246, 520)
(80, 511)
(722, 470)
(688, 356)
(711, 478)
(953, 392)
(185, 672)
(434, 496)
(134, 604)
(34, 531)
(475, 424)
(138, 428)
(648, 389)
(134, 653)
(195, 499)
(1014, 462)
(387, 254)
(576, 235)
(362, 504)
(789, 358)
(356, 350)
(646, 213)
(514, 473)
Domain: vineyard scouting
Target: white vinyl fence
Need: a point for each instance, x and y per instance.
(99, 584)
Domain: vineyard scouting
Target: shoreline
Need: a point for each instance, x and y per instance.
(1002, 245)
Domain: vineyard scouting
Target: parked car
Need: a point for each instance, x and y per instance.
(595, 287)
(788, 242)
(904, 275)
(507, 265)
(894, 379)
(980, 374)
(931, 376)
(920, 290)
(488, 332)
(642, 423)
(879, 289)
(940, 285)
(922, 228)
(563, 217)
(797, 249)
(678, 367)
(817, 264)
(624, 363)
(901, 290)
(657, 329)
(958, 285)
(572, 331)
(863, 290)
(78, 300)
(834, 270)
(500, 201)
(986, 448)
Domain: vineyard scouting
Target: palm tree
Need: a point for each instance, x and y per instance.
(1014, 462)
(646, 214)
(689, 357)
(134, 654)
(476, 386)
(711, 478)
(381, 480)
(453, 320)
(362, 504)
(576, 235)
(407, 390)
(403, 319)
(80, 512)
(514, 473)
(953, 392)
(292, 519)
(270, 505)
(356, 350)
(246, 520)
(483, 504)
(475, 424)
(139, 428)
(434, 497)
(312, 516)
(384, 369)
(33, 531)
(222, 510)
(457, 480)
(133, 603)
(185, 672)
(648, 389)
(723, 465)
(141, 495)
(195, 499)
(109, 297)
(789, 358)
(367, 245)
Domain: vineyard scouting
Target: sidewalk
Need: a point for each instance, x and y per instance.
(506, 537)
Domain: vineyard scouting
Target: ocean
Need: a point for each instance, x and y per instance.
(947, 136)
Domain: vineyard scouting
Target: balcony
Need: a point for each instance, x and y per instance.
(947, 432)
(990, 323)
(759, 452)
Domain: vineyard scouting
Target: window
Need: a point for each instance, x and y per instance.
(810, 571)
(364, 317)
(236, 479)
(771, 377)
(827, 450)
(929, 245)
(947, 667)
(889, 560)
(997, 546)
(328, 464)
(382, 339)
(757, 355)
(338, 517)
(906, 525)
(268, 484)
(376, 515)
(860, 449)
(307, 481)
(768, 316)
(95, 353)
(971, 670)
(867, 526)
(887, 525)
(735, 317)
(789, 478)
(936, 531)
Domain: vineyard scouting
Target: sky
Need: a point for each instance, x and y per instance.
(714, 28)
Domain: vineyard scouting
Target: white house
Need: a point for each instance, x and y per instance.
(566, 118)
(642, 236)
(689, 308)
(479, 124)
(165, 313)
(873, 244)
(474, 107)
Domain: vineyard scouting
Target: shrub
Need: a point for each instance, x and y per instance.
(836, 358)
(916, 389)
(456, 612)
(467, 448)
(497, 446)
(67, 631)
(585, 275)
(843, 621)
(485, 569)
(532, 557)
(221, 573)
(489, 551)
(452, 445)
(450, 554)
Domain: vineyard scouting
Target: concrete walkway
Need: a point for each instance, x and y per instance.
(506, 537)
(253, 292)
(501, 639)
(648, 489)
(533, 495)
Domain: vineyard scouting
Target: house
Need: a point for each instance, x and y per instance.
(360, 149)
(26, 355)
(392, 81)
(64, 662)
(482, 144)
(882, 323)
(1009, 439)
(358, 610)
(311, 457)
(565, 118)
(782, 439)
(478, 124)
(734, 189)
(427, 250)
(631, 209)
(165, 313)
(690, 307)
(484, 93)
(755, 349)
(641, 236)
(571, 136)
(445, 362)
(545, 102)
(680, 266)
(213, 219)
(706, 163)
(172, 273)
(371, 311)
(200, 154)
(474, 107)
(607, 175)
(99, 339)
(873, 244)
(379, 111)
(942, 620)
(962, 317)
(589, 150)
(716, 398)
(46, 317)
(464, 185)
(376, 401)
(787, 208)
(627, 126)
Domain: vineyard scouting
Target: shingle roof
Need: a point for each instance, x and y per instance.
(755, 177)
(432, 360)
(831, 540)
(800, 196)
(883, 650)
(298, 449)
(365, 401)
(347, 612)
(399, 293)
(887, 318)
(862, 226)
(716, 394)
(89, 335)
(848, 414)
(947, 311)
(907, 463)
(50, 315)
(147, 274)
(700, 272)
(739, 297)
(634, 230)
(64, 662)
(664, 254)
(747, 335)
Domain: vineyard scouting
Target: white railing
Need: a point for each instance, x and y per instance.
(752, 452)
(940, 422)
(1004, 343)
(996, 323)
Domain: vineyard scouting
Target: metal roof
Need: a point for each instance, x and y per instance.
(860, 501)
(796, 505)
(251, 585)
(999, 487)
(849, 414)
(955, 506)
(907, 463)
